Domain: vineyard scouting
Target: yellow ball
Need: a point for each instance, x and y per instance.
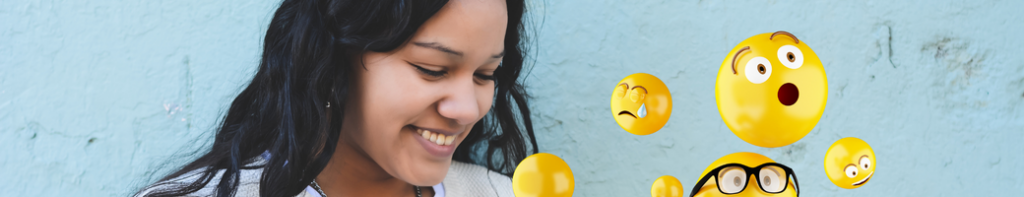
(641, 104)
(667, 186)
(771, 89)
(543, 175)
(850, 163)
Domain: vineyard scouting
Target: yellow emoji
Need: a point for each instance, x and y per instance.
(667, 186)
(850, 162)
(771, 89)
(746, 174)
(543, 175)
(641, 104)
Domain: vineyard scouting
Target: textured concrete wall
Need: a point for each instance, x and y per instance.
(934, 86)
(95, 96)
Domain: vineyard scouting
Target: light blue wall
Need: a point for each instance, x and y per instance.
(96, 95)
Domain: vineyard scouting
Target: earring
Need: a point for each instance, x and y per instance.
(328, 104)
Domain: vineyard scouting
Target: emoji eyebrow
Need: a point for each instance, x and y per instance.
(784, 33)
(627, 85)
(737, 55)
(641, 87)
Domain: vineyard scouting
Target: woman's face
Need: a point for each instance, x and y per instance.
(410, 107)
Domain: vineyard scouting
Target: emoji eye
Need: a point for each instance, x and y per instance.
(620, 91)
(791, 57)
(851, 171)
(758, 70)
(772, 181)
(634, 95)
(732, 180)
(865, 163)
(637, 93)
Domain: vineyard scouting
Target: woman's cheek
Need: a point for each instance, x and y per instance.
(487, 99)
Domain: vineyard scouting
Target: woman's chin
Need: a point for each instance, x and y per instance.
(428, 173)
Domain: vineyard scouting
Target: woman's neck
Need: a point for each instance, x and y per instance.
(351, 172)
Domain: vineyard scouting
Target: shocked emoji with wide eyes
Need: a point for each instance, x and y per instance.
(641, 104)
(771, 89)
(850, 163)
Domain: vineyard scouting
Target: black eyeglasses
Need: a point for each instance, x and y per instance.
(732, 178)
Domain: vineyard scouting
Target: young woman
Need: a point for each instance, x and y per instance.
(374, 98)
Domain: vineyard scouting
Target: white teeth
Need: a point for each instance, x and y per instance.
(440, 139)
(449, 140)
(437, 138)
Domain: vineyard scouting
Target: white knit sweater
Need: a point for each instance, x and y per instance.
(463, 179)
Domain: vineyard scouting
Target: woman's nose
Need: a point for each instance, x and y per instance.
(460, 104)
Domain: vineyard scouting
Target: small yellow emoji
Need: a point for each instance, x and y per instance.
(771, 89)
(641, 104)
(667, 186)
(746, 174)
(543, 175)
(850, 163)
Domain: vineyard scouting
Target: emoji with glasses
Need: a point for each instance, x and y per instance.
(771, 89)
(641, 104)
(746, 174)
(850, 163)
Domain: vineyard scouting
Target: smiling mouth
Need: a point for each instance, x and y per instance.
(436, 137)
(865, 180)
(627, 113)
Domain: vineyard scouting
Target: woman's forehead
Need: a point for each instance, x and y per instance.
(473, 28)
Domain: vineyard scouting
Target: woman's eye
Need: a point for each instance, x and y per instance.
(433, 73)
(484, 77)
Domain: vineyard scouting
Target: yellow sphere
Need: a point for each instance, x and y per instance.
(771, 89)
(748, 159)
(641, 104)
(850, 163)
(543, 175)
(667, 186)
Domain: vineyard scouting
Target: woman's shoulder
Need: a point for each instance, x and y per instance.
(465, 179)
(249, 180)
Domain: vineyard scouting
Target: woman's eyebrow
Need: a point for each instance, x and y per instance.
(439, 47)
(442, 48)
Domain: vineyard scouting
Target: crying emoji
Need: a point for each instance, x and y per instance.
(641, 104)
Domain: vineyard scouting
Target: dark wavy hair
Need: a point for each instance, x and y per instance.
(307, 58)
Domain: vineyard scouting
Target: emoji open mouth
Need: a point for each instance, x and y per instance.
(627, 113)
(865, 180)
(788, 94)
